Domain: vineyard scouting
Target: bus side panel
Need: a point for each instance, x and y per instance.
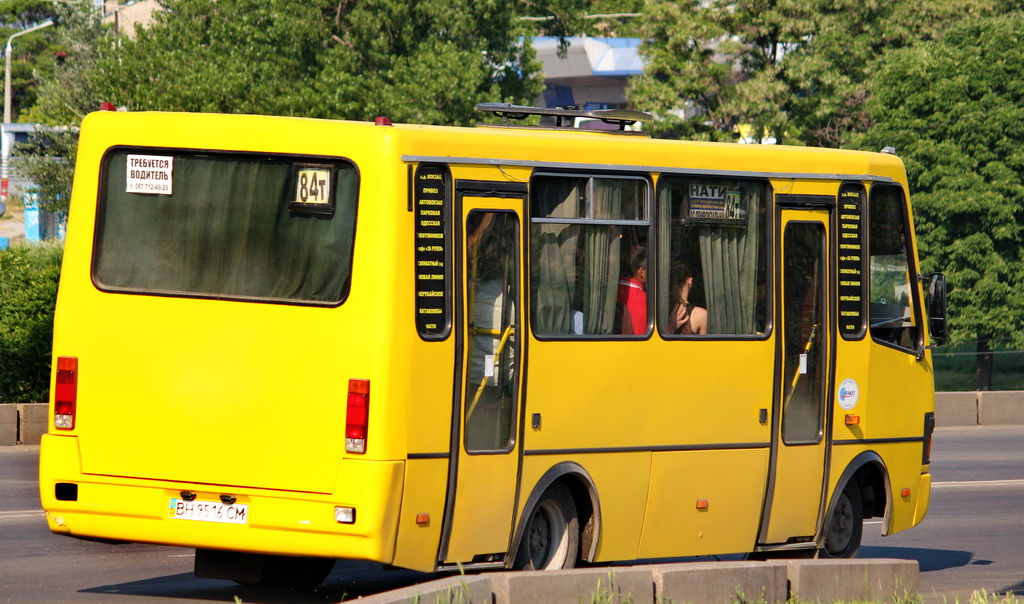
(418, 540)
(698, 507)
(895, 391)
(622, 481)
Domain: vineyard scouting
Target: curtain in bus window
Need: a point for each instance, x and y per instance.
(553, 253)
(603, 258)
(225, 231)
(729, 258)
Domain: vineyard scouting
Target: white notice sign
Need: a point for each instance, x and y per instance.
(150, 174)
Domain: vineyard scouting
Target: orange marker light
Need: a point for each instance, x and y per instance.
(905, 492)
(702, 504)
(852, 420)
(422, 518)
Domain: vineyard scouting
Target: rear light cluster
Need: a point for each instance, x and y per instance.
(357, 416)
(65, 396)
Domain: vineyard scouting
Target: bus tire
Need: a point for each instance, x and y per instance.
(552, 536)
(842, 538)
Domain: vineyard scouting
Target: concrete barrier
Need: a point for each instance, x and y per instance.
(956, 409)
(720, 582)
(8, 424)
(853, 580)
(33, 422)
(1000, 408)
(621, 584)
(452, 590)
(876, 580)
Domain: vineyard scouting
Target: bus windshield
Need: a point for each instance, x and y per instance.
(225, 225)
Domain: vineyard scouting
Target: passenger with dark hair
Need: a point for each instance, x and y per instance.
(685, 317)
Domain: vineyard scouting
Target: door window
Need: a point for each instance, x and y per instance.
(805, 332)
(492, 271)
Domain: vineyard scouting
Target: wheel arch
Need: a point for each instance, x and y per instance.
(871, 476)
(588, 509)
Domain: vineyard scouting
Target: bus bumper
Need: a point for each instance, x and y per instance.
(276, 522)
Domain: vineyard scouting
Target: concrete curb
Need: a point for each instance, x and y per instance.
(878, 580)
(22, 423)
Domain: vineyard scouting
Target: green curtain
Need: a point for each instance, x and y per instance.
(729, 258)
(553, 253)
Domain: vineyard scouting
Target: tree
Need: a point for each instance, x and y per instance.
(28, 292)
(34, 55)
(790, 70)
(689, 75)
(954, 109)
(424, 62)
(64, 98)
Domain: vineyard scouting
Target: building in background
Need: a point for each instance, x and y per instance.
(126, 16)
(593, 73)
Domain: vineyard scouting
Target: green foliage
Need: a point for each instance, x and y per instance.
(423, 62)
(28, 292)
(33, 55)
(685, 84)
(791, 70)
(68, 93)
(49, 160)
(954, 110)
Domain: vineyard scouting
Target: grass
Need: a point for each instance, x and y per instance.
(954, 369)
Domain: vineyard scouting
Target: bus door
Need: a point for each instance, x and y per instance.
(485, 444)
(803, 383)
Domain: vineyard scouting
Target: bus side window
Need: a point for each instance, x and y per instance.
(892, 313)
(712, 252)
(585, 232)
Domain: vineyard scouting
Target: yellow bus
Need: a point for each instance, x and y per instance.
(285, 341)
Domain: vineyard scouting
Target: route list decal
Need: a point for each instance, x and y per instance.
(851, 263)
(432, 277)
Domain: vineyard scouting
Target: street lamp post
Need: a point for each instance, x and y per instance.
(5, 160)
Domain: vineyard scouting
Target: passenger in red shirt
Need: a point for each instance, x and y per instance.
(632, 297)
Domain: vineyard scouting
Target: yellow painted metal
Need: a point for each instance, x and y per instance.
(729, 523)
(247, 398)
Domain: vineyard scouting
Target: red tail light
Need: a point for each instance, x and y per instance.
(357, 416)
(65, 396)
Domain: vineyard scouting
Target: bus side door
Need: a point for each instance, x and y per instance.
(803, 382)
(485, 443)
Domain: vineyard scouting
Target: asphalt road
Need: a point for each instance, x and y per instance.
(970, 541)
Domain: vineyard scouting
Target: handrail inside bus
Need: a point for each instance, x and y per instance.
(509, 331)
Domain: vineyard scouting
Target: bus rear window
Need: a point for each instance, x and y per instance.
(218, 225)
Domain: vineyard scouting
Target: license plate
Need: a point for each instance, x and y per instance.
(208, 511)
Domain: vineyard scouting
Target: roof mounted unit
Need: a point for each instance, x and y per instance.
(564, 117)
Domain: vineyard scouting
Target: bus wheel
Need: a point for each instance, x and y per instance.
(552, 536)
(846, 525)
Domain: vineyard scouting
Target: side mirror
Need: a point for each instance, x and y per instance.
(937, 307)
